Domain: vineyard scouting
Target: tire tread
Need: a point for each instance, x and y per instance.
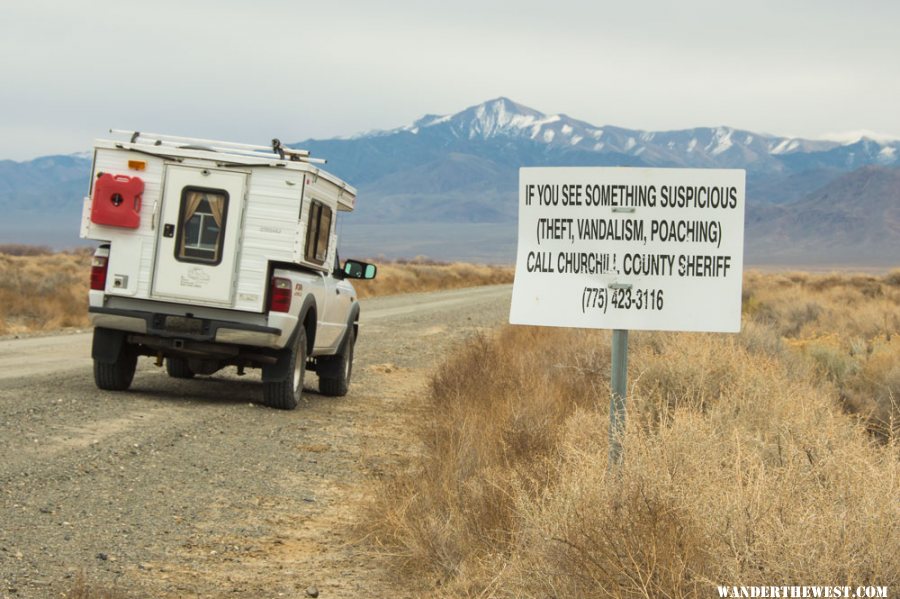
(178, 368)
(115, 376)
(280, 394)
(334, 380)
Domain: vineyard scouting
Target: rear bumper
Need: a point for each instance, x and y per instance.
(203, 329)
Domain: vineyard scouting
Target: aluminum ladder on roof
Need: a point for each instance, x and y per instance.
(227, 147)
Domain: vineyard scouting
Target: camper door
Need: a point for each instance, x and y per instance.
(198, 234)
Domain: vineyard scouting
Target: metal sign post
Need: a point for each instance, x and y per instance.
(619, 384)
(629, 249)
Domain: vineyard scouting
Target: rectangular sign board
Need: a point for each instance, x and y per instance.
(630, 248)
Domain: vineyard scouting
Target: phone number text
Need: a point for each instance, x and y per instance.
(601, 298)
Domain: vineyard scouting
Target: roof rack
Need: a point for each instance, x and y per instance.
(175, 141)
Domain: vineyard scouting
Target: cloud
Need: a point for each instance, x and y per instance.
(250, 71)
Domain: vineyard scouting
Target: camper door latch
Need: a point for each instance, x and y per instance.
(168, 230)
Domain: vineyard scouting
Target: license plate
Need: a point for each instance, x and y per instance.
(182, 324)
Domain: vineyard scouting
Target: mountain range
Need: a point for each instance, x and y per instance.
(446, 186)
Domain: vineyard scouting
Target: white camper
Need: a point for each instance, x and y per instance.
(215, 254)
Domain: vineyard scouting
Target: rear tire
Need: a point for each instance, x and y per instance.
(285, 394)
(335, 371)
(178, 368)
(116, 376)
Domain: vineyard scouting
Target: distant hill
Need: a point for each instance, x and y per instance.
(855, 219)
(499, 136)
(41, 199)
(446, 185)
(44, 184)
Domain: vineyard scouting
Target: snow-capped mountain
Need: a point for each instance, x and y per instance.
(444, 171)
(463, 168)
(530, 137)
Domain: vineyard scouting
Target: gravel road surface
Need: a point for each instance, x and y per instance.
(188, 489)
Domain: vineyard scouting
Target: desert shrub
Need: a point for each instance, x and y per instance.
(423, 275)
(21, 249)
(700, 503)
(843, 326)
(893, 278)
(874, 389)
(834, 363)
(741, 466)
(757, 338)
(43, 292)
(485, 441)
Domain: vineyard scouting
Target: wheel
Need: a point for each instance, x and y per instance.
(284, 394)
(116, 376)
(335, 371)
(178, 368)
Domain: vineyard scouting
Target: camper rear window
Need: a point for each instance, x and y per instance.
(201, 225)
(318, 232)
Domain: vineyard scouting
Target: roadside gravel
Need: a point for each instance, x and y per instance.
(189, 489)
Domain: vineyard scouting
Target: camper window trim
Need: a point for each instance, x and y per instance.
(317, 240)
(184, 218)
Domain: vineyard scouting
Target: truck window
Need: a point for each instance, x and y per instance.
(201, 225)
(318, 232)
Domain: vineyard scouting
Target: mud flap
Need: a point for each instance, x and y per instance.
(107, 345)
(330, 367)
(280, 369)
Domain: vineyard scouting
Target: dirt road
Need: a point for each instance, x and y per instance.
(187, 489)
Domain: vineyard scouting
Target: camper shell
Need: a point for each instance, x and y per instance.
(214, 254)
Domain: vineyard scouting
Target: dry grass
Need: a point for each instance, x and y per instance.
(45, 291)
(423, 275)
(847, 327)
(742, 465)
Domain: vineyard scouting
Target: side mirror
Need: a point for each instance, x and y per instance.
(354, 269)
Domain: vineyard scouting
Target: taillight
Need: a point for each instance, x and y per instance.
(98, 272)
(280, 295)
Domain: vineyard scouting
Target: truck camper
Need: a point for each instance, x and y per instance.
(216, 254)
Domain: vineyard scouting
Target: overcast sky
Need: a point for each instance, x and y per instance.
(252, 70)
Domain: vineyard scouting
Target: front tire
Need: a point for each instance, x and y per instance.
(116, 376)
(178, 368)
(335, 371)
(285, 394)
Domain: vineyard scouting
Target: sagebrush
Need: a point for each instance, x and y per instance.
(43, 291)
(764, 458)
(424, 275)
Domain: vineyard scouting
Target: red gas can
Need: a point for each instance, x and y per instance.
(117, 201)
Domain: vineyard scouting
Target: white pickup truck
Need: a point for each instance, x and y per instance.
(218, 254)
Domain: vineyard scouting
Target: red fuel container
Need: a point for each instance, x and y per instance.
(117, 201)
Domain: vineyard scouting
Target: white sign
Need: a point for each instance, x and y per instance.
(630, 248)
